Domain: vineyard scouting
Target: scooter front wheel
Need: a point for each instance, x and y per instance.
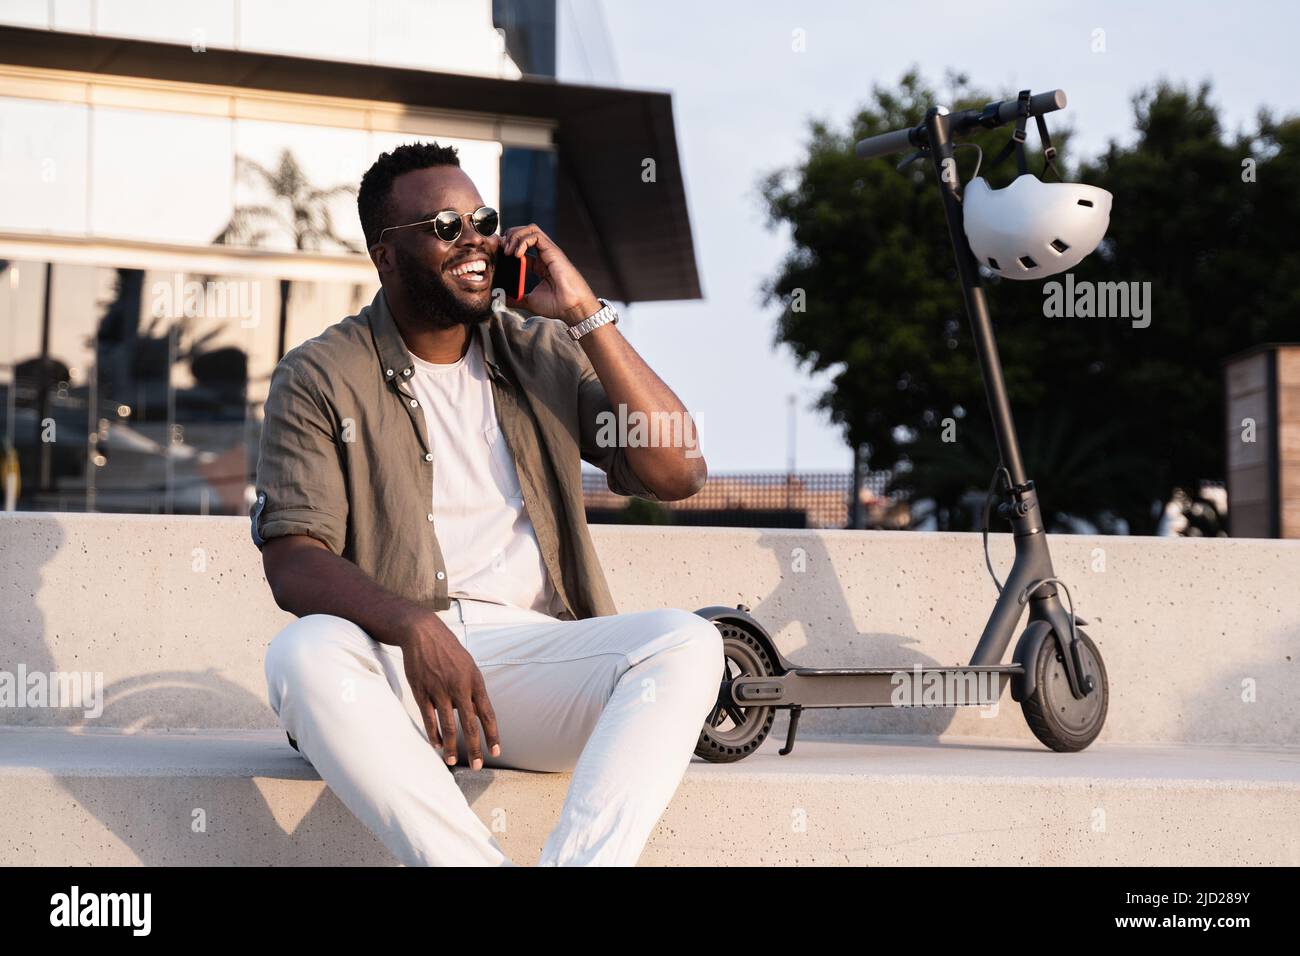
(1059, 719)
(732, 732)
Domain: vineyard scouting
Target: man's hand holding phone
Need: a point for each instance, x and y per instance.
(560, 291)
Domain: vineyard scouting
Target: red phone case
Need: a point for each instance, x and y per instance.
(523, 275)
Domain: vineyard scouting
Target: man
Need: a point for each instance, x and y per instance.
(419, 508)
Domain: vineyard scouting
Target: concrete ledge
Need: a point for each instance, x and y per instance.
(1201, 637)
(119, 799)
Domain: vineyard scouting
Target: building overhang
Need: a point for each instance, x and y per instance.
(630, 238)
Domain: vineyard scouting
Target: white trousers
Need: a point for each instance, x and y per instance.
(617, 700)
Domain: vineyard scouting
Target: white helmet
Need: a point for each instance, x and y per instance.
(1031, 229)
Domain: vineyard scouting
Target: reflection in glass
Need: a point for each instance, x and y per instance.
(128, 390)
(296, 208)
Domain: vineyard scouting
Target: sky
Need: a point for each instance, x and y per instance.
(742, 99)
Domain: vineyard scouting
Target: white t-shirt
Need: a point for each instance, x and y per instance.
(483, 529)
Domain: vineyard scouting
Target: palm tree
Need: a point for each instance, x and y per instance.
(298, 208)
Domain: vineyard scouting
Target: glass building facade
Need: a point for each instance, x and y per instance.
(140, 390)
(161, 245)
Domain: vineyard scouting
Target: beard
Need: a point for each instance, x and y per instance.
(433, 299)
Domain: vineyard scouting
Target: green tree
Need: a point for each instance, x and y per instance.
(642, 511)
(1111, 417)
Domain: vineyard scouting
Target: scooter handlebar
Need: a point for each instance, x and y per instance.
(992, 116)
(883, 144)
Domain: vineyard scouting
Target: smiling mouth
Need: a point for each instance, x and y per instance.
(471, 274)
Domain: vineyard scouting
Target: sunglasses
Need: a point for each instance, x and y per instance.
(447, 224)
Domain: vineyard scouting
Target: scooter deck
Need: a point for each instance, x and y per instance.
(875, 686)
(906, 668)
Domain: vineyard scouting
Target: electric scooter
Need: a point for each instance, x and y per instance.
(1056, 672)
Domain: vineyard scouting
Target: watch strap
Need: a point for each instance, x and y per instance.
(604, 316)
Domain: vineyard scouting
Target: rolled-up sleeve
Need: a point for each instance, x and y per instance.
(300, 486)
(595, 410)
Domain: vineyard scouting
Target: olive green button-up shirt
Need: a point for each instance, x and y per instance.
(344, 455)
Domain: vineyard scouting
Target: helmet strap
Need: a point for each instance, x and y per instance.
(1049, 151)
(1017, 142)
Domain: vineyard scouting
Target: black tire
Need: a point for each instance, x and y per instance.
(1057, 718)
(732, 732)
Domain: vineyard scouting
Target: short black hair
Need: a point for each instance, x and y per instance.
(377, 183)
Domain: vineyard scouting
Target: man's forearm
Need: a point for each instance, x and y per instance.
(315, 580)
(671, 472)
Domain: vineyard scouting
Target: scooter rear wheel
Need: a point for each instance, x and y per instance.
(1057, 718)
(732, 732)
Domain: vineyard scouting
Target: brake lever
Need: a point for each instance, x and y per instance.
(919, 154)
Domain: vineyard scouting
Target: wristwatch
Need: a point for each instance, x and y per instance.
(605, 315)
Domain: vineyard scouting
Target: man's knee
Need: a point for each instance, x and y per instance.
(309, 647)
(703, 636)
(696, 642)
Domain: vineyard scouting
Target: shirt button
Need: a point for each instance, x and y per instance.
(406, 371)
(440, 575)
(389, 372)
(429, 516)
(414, 403)
(428, 456)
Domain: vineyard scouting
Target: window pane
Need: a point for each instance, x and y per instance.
(279, 165)
(43, 166)
(528, 188)
(160, 177)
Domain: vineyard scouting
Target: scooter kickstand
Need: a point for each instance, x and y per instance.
(794, 729)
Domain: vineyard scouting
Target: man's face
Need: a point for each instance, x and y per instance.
(428, 270)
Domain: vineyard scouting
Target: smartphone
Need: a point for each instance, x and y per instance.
(513, 276)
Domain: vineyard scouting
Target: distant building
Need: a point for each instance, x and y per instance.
(771, 499)
(1263, 441)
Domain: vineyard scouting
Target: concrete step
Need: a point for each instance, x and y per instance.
(246, 798)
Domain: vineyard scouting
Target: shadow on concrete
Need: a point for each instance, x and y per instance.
(777, 612)
(236, 817)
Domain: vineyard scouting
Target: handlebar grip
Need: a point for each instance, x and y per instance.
(894, 141)
(1039, 103)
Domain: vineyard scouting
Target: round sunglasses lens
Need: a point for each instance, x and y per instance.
(447, 226)
(486, 220)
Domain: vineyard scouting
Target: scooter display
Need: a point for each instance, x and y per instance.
(1056, 672)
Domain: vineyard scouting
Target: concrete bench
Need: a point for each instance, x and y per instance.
(185, 764)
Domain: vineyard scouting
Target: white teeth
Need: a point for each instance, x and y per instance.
(477, 265)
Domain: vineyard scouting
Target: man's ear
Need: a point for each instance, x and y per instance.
(381, 255)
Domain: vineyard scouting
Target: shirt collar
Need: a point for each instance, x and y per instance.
(395, 358)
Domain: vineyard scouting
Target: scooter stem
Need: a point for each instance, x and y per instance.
(986, 348)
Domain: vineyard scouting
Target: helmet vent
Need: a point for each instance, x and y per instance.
(1059, 246)
(993, 264)
(1086, 202)
(1028, 262)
